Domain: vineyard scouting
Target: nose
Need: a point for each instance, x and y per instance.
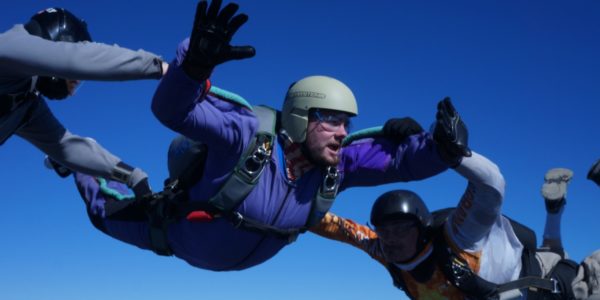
(341, 132)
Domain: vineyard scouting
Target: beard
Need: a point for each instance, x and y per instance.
(318, 157)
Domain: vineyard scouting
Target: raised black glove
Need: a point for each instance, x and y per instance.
(52, 87)
(399, 129)
(594, 173)
(450, 134)
(209, 42)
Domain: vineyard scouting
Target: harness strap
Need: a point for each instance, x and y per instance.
(550, 285)
(325, 197)
(458, 272)
(250, 167)
(8, 102)
(239, 221)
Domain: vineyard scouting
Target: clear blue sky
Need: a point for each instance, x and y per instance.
(525, 75)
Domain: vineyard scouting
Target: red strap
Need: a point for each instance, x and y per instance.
(199, 216)
(207, 86)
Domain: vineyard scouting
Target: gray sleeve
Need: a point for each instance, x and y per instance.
(80, 154)
(22, 54)
(479, 207)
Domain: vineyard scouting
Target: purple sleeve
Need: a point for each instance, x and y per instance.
(176, 94)
(181, 104)
(376, 161)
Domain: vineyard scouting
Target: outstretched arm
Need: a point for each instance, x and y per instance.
(80, 154)
(479, 207)
(349, 232)
(179, 101)
(22, 54)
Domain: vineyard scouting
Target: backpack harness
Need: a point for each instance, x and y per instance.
(172, 204)
(556, 285)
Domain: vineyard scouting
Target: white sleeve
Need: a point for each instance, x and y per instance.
(23, 55)
(479, 207)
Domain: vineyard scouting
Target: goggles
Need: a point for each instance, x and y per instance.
(332, 121)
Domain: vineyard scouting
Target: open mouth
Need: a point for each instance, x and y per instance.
(334, 147)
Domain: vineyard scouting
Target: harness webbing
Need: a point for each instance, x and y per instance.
(173, 204)
(460, 275)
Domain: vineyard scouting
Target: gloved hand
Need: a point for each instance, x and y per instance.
(52, 87)
(142, 189)
(594, 173)
(211, 35)
(60, 170)
(450, 134)
(398, 129)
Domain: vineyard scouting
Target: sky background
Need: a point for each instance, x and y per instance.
(524, 75)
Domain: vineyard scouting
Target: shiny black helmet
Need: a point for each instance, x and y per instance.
(400, 205)
(404, 205)
(58, 24)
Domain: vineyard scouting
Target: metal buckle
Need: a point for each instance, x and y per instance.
(237, 220)
(460, 272)
(555, 286)
(256, 160)
(330, 182)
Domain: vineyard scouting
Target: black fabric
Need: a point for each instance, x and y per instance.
(564, 272)
(8, 103)
(398, 129)
(60, 170)
(53, 88)
(458, 272)
(594, 173)
(193, 173)
(142, 188)
(126, 210)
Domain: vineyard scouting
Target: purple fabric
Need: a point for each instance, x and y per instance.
(227, 129)
(134, 233)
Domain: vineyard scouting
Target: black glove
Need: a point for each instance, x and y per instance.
(60, 170)
(209, 42)
(52, 87)
(142, 189)
(398, 129)
(594, 173)
(450, 134)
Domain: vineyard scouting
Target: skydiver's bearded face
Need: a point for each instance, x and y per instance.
(326, 131)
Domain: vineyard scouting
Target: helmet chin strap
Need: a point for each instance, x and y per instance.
(418, 258)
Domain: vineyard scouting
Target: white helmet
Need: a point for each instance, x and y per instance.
(314, 92)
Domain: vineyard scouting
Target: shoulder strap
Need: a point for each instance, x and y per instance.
(459, 274)
(248, 170)
(325, 197)
(525, 235)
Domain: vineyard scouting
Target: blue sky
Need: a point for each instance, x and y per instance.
(523, 74)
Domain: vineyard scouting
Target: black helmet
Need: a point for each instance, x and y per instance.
(400, 204)
(58, 24)
(404, 205)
